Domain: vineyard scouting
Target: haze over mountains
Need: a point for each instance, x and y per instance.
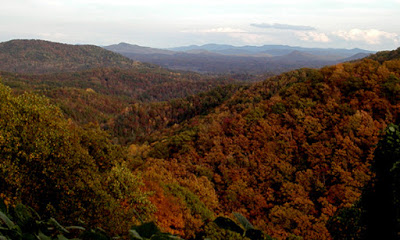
(223, 59)
(37, 56)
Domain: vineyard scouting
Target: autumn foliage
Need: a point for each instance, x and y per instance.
(290, 154)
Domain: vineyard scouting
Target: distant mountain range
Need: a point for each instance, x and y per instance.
(216, 58)
(273, 50)
(38, 56)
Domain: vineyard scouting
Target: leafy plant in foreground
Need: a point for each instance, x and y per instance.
(22, 222)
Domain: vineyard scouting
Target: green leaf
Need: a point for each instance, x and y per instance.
(42, 236)
(243, 220)
(53, 222)
(61, 237)
(133, 235)
(75, 228)
(254, 234)
(392, 129)
(147, 229)
(7, 221)
(94, 234)
(164, 236)
(228, 224)
(29, 236)
(3, 206)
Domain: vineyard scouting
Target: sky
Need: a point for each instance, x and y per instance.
(367, 24)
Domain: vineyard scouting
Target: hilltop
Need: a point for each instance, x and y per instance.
(38, 56)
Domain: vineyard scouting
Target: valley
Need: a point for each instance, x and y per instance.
(203, 142)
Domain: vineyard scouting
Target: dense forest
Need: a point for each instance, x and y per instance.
(38, 56)
(307, 154)
(96, 95)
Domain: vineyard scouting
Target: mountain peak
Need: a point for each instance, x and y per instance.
(40, 56)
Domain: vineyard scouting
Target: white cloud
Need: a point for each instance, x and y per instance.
(217, 30)
(313, 37)
(370, 36)
(251, 38)
(163, 2)
(283, 26)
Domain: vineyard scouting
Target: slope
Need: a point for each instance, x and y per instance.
(288, 152)
(63, 170)
(98, 95)
(38, 56)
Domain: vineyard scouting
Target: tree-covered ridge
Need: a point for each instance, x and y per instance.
(144, 84)
(291, 151)
(141, 122)
(386, 55)
(97, 95)
(38, 56)
(63, 170)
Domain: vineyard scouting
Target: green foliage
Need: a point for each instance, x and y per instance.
(386, 190)
(214, 231)
(377, 214)
(149, 231)
(142, 120)
(228, 224)
(160, 150)
(255, 115)
(192, 202)
(64, 170)
(23, 223)
(353, 84)
(278, 108)
(386, 55)
(225, 228)
(179, 142)
(146, 230)
(347, 224)
(243, 221)
(392, 88)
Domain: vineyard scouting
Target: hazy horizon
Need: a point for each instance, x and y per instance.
(371, 25)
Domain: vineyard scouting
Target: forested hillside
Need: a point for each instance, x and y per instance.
(290, 155)
(64, 170)
(38, 56)
(96, 95)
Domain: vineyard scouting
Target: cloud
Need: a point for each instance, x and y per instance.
(216, 30)
(283, 26)
(251, 38)
(370, 36)
(313, 37)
